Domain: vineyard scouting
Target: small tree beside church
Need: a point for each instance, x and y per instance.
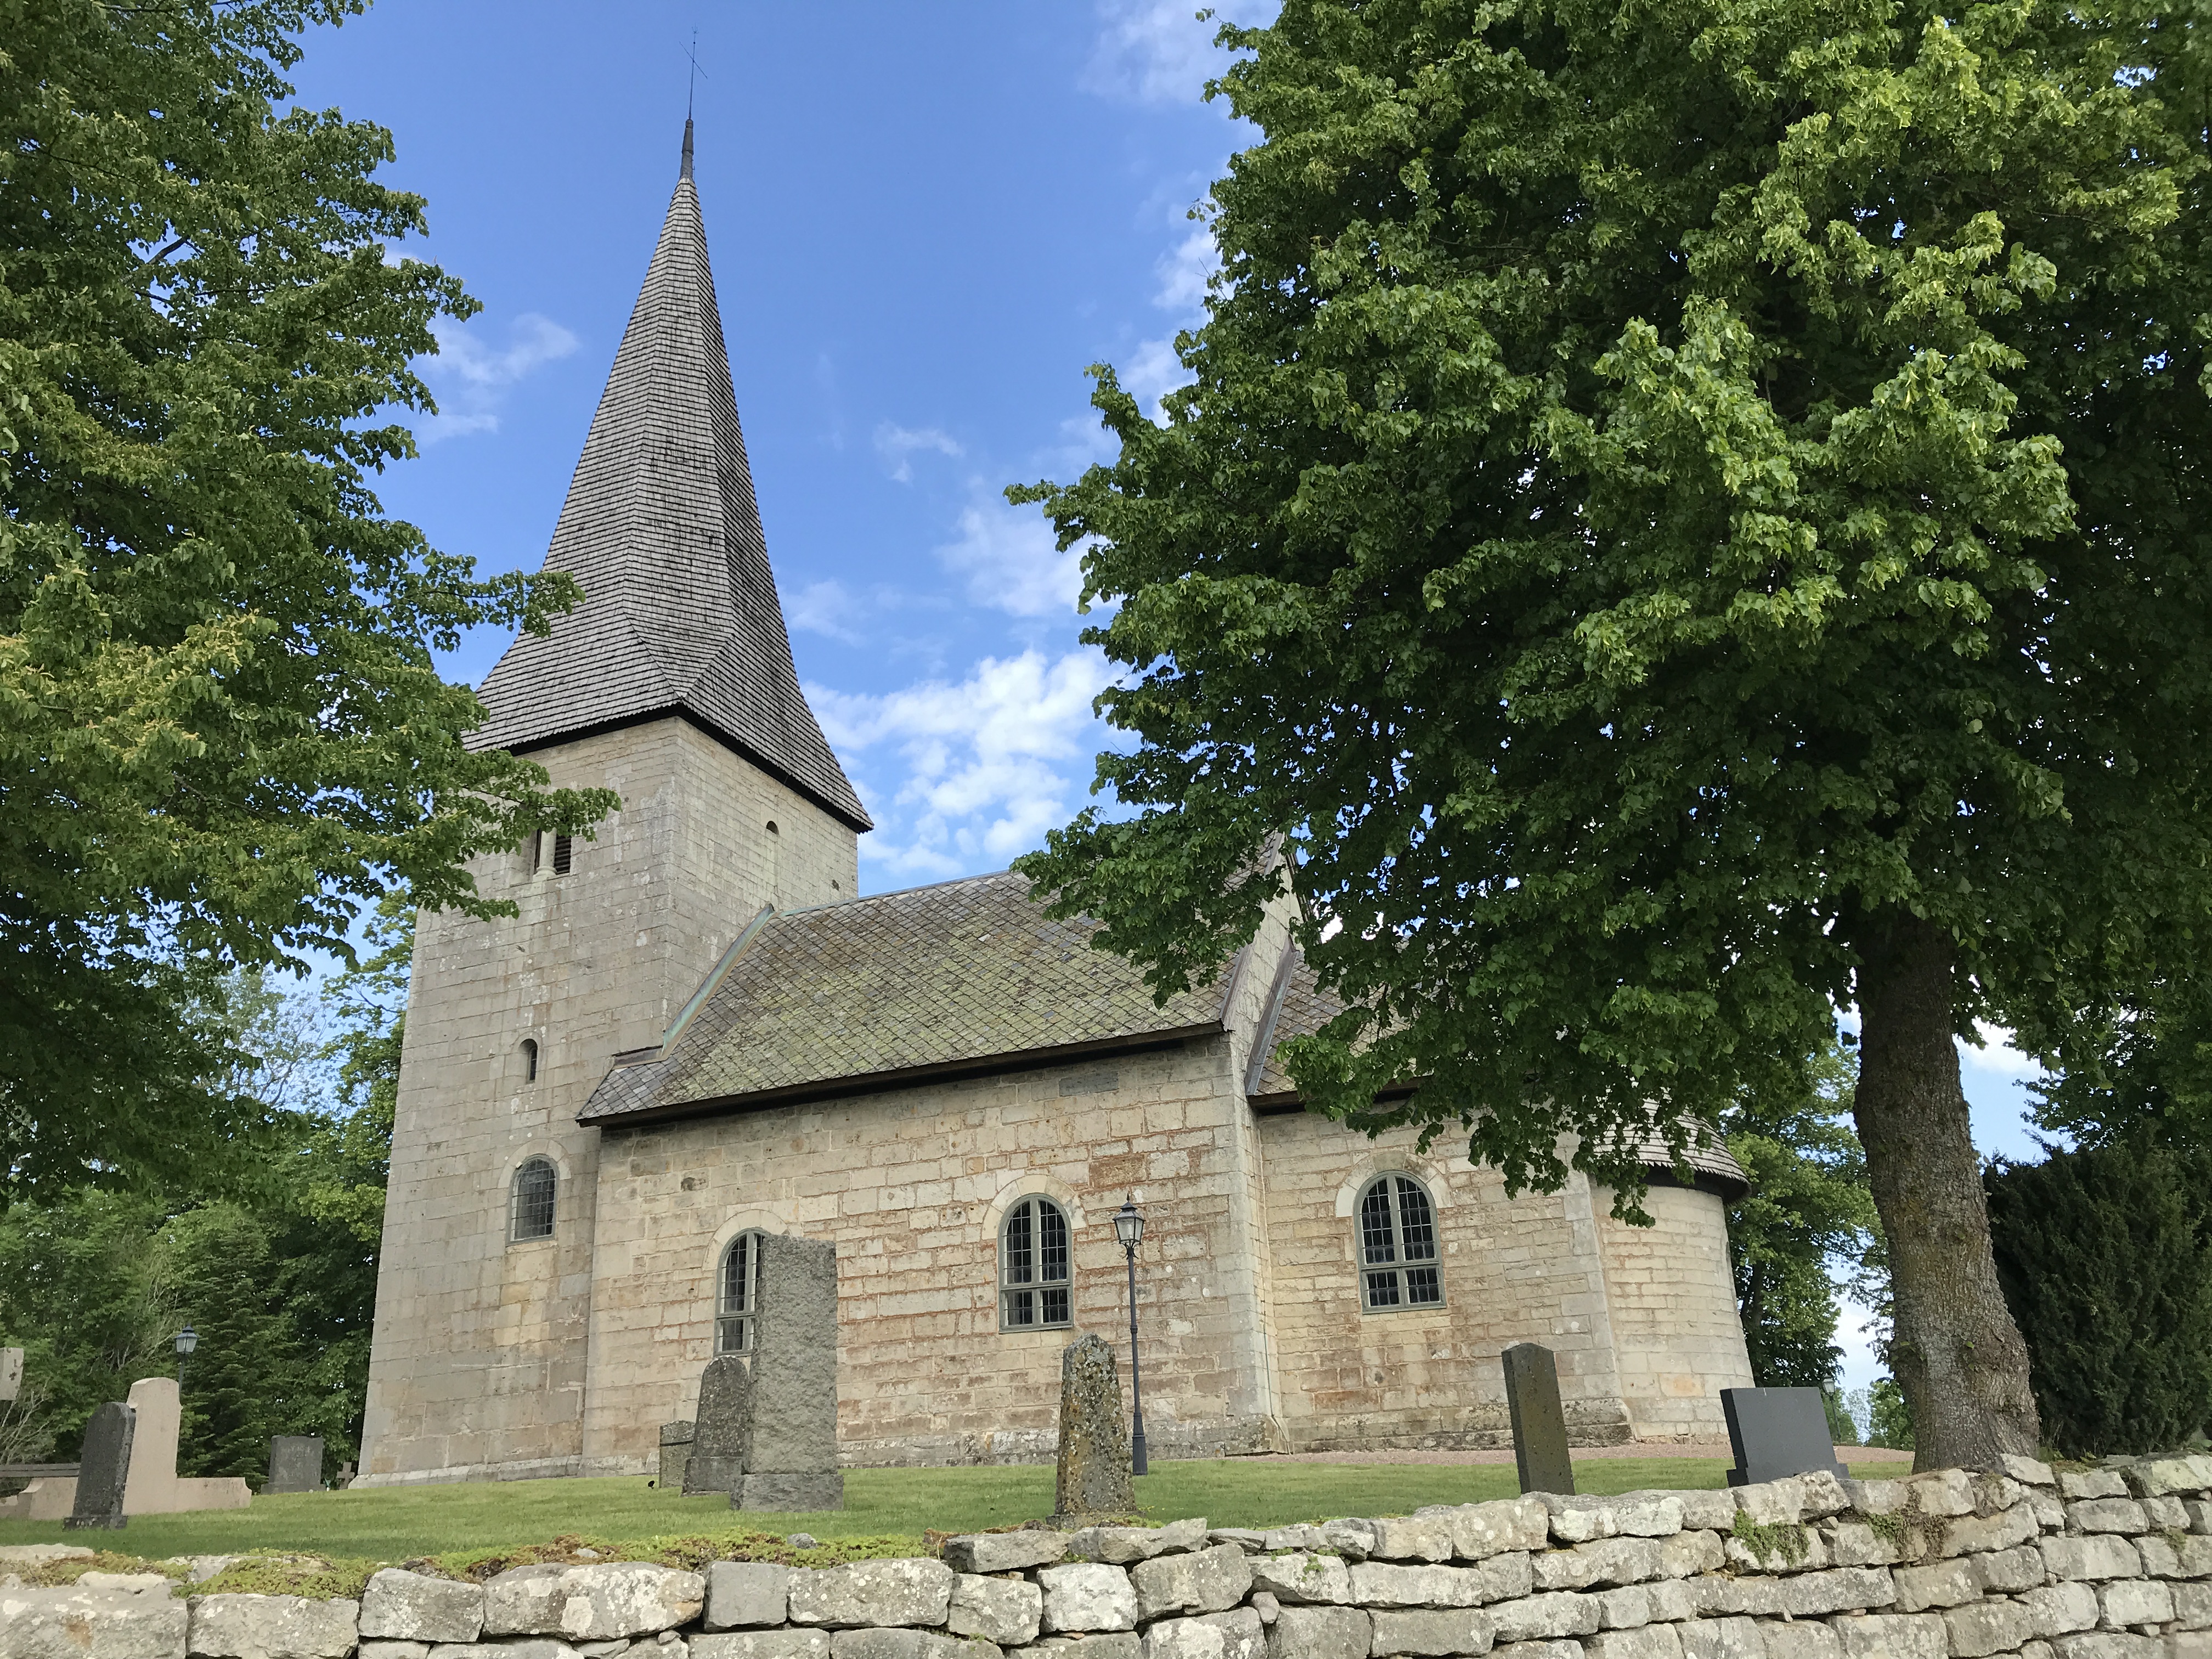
(1680, 522)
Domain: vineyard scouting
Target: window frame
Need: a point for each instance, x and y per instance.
(514, 1200)
(746, 1317)
(1400, 1267)
(1036, 1291)
(529, 1055)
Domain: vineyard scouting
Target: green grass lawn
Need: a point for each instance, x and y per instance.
(392, 1523)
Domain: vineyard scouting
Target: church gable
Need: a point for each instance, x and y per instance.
(954, 980)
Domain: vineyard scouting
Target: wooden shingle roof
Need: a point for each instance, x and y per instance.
(954, 980)
(680, 614)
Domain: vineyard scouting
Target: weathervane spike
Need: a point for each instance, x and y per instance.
(690, 88)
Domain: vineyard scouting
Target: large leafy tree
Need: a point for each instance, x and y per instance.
(221, 732)
(1686, 515)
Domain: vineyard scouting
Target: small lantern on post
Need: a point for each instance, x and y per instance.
(187, 1340)
(1129, 1228)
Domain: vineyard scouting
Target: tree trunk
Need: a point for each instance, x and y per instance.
(1956, 1353)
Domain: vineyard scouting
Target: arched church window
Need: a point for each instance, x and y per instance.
(1397, 1246)
(531, 1213)
(530, 1060)
(1033, 1267)
(737, 1299)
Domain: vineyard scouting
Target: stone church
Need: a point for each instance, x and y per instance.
(697, 1030)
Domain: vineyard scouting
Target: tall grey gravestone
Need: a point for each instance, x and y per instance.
(791, 1452)
(11, 1373)
(716, 1461)
(104, 1467)
(1778, 1432)
(1540, 1422)
(295, 1463)
(1094, 1481)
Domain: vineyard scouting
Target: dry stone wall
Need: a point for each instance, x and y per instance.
(2107, 1563)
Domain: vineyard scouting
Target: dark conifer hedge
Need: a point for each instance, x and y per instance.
(2106, 1256)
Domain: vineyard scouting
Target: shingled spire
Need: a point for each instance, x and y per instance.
(680, 615)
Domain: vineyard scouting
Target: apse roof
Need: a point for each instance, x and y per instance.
(660, 528)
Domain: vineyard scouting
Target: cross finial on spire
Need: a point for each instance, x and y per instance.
(691, 88)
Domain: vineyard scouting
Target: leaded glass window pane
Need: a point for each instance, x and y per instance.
(738, 1299)
(531, 1215)
(1034, 1266)
(1398, 1246)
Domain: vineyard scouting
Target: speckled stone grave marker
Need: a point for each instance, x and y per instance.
(1094, 1482)
(295, 1463)
(717, 1460)
(104, 1467)
(791, 1454)
(675, 1454)
(1540, 1422)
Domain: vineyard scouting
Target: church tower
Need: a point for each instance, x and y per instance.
(671, 684)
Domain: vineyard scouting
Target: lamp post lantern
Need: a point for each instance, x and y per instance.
(1129, 1228)
(187, 1340)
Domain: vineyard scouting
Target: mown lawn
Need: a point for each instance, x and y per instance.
(392, 1523)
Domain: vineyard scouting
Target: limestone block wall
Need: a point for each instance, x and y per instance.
(479, 1358)
(2105, 1564)
(1518, 1270)
(911, 1187)
(1672, 1296)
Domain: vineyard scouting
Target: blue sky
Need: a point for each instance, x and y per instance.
(925, 222)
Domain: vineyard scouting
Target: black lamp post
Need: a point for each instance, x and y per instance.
(1129, 1228)
(187, 1340)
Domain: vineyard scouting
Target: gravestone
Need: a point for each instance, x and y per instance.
(675, 1455)
(295, 1463)
(1094, 1481)
(716, 1459)
(791, 1448)
(11, 1373)
(1539, 1423)
(1778, 1432)
(104, 1467)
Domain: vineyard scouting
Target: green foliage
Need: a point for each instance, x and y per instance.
(1658, 496)
(1890, 1420)
(2106, 1256)
(1808, 1210)
(222, 734)
(271, 1257)
(1785, 1543)
(1843, 1427)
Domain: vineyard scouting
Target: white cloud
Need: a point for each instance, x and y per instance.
(1156, 51)
(1184, 271)
(828, 608)
(898, 444)
(1152, 372)
(1997, 1057)
(1007, 556)
(471, 380)
(987, 766)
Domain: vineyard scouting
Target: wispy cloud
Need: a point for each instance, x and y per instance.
(1156, 51)
(1184, 271)
(899, 445)
(1997, 1057)
(828, 608)
(980, 769)
(470, 379)
(1007, 558)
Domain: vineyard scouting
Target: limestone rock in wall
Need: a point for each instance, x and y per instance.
(1430, 1633)
(411, 1607)
(1005, 1552)
(862, 1594)
(272, 1627)
(746, 1593)
(1236, 1634)
(1208, 1581)
(1301, 1579)
(1006, 1611)
(762, 1644)
(69, 1622)
(1320, 1633)
(1087, 1595)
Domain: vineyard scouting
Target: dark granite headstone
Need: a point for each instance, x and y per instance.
(791, 1451)
(675, 1454)
(104, 1467)
(1778, 1432)
(1539, 1423)
(717, 1460)
(1094, 1482)
(295, 1463)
